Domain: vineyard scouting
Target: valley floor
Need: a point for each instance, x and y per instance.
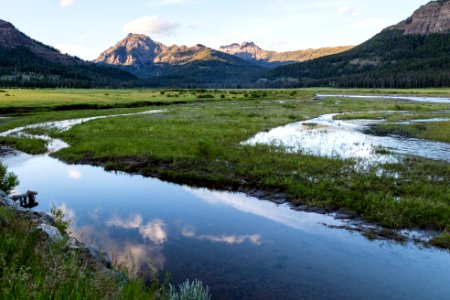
(198, 138)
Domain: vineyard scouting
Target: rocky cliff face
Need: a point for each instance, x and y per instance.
(247, 51)
(140, 51)
(134, 50)
(433, 17)
(12, 38)
(251, 52)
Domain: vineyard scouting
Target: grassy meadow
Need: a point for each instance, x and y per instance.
(197, 140)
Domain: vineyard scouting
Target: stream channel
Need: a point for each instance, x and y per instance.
(241, 247)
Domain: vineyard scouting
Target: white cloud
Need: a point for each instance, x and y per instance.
(164, 2)
(277, 44)
(374, 23)
(66, 3)
(195, 25)
(150, 25)
(173, 2)
(345, 10)
(74, 174)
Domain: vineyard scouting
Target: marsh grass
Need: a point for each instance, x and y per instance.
(441, 241)
(410, 114)
(436, 131)
(48, 131)
(27, 145)
(200, 143)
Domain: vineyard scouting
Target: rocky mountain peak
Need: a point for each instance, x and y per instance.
(134, 49)
(433, 17)
(246, 50)
(248, 44)
(141, 51)
(6, 25)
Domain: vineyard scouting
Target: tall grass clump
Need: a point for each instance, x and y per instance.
(189, 291)
(8, 181)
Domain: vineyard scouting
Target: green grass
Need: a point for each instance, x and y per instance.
(27, 145)
(436, 131)
(441, 241)
(199, 143)
(25, 100)
(409, 113)
(433, 92)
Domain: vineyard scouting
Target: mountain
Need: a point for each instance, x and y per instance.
(135, 50)
(414, 53)
(27, 62)
(431, 18)
(11, 38)
(266, 58)
(177, 65)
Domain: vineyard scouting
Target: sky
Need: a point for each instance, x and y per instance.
(85, 28)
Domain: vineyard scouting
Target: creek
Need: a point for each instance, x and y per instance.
(241, 246)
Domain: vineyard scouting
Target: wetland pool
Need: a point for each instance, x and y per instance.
(240, 246)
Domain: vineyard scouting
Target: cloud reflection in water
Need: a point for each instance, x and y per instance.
(128, 252)
(154, 231)
(74, 174)
(282, 214)
(226, 239)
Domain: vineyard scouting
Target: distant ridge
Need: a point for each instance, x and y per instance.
(12, 38)
(412, 54)
(433, 17)
(176, 65)
(251, 52)
(27, 62)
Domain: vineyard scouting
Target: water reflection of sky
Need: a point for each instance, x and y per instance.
(326, 137)
(407, 98)
(242, 247)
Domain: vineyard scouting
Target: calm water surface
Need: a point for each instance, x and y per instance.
(408, 98)
(242, 247)
(346, 139)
